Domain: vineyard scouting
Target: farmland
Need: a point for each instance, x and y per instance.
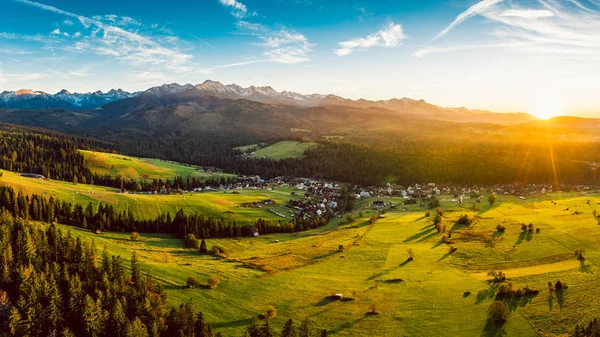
(439, 292)
(283, 149)
(144, 206)
(142, 168)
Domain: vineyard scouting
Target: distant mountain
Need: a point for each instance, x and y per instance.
(29, 99)
(174, 94)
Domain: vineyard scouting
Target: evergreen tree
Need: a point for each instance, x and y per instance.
(136, 273)
(288, 329)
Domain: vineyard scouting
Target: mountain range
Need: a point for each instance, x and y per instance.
(173, 94)
(29, 99)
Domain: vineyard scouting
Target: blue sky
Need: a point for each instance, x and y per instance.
(502, 55)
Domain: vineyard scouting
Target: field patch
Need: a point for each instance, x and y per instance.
(284, 149)
(533, 270)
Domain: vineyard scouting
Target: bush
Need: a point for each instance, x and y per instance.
(464, 220)
(433, 203)
(190, 241)
(203, 247)
(135, 236)
(360, 214)
(438, 219)
(349, 218)
(491, 199)
(411, 254)
(427, 213)
(497, 275)
(218, 251)
(560, 285)
(500, 228)
(530, 227)
(270, 311)
(213, 282)
(192, 282)
(440, 227)
(440, 211)
(579, 254)
(498, 312)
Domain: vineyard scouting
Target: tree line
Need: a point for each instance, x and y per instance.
(105, 217)
(53, 284)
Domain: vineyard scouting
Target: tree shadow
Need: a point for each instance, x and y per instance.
(323, 302)
(347, 325)
(529, 236)
(419, 235)
(405, 262)
(445, 256)
(560, 297)
(493, 329)
(437, 244)
(550, 302)
(521, 238)
(497, 234)
(231, 324)
(486, 294)
(584, 268)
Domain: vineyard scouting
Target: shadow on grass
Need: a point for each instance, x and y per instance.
(231, 324)
(348, 325)
(497, 234)
(405, 262)
(437, 244)
(445, 256)
(486, 294)
(521, 238)
(326, 300)
(584, 268)
(493, 329)
(421, 234)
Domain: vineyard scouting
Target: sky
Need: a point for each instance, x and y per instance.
(499, 55)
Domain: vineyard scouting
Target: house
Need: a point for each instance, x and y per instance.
(32, 175)
(365, 194)
(256, 234)
(378, 204)
(337, 296)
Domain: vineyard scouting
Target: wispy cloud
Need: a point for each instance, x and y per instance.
(26, 77)
(109, 39)
(557, 28)
(239, 9)
(474, 10)
(390, 36)
(363, 13)
(282, 45)
(229, 65)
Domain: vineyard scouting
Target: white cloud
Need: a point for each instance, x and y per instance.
(474, 10)
(107, 39)
(26, 77)
(55, 32)
(528, 13)
(225, 66)
(390, 36)
(239, 9)
(561, 28)
(152, 77)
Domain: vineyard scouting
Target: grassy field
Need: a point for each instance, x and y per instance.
(142, 168)
(214, 204)
(283, 149)
(296, 273)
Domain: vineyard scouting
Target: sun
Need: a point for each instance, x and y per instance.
(546, 106)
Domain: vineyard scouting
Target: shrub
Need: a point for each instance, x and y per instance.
(427, 213)
(213, 282)
(579, 254)
(440, 227)
(372, 220)
(190, 241)
(433, 203)
(500, 228)
(523, 227)
(560, 285)
(453, 249)
(498, 312)
(360, 214)
(491, 199)
(192, 282)
(218, 251)
(438, 218)
(135, 236)
(203, 247)
(411, 254)
(497, 275)
(340, 248)
(464, 220)
(270, 311)
(349, 218)
(530, 227)
(440, 211)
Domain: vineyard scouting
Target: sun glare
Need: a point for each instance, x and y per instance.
(546, 107)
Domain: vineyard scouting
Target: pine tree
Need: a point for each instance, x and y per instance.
(136, 273)
(288, 329)
(265, 330)
(136, 329)
(304, 330)
(203, 248)
(253, 329)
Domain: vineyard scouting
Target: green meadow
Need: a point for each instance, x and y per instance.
(283, 149)
(142, 168)
(439, 293)
(217, 204)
